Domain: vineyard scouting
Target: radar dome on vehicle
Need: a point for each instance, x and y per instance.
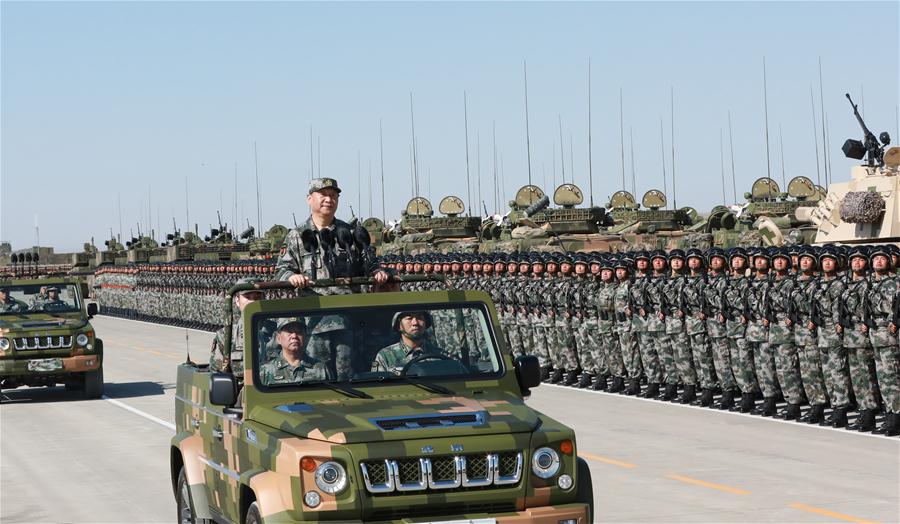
(765, 188)
(821, 193)
(568, 195)
(527, 195)
(373, 224)
(801, 188)
(654, 199)
(892, 157)
(419, 206)
(621, 200)
(452, 206)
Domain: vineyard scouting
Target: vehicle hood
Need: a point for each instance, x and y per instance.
(30, 322)
(354, 420)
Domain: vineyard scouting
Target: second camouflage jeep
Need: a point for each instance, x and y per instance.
(439, 436)
(46, 337)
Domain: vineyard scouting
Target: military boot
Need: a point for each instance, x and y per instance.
(767, 409)
(599, 383)
(670, 393)
(894, 430)
(838, 418)
(792, 412)
(545, 373)
(748, 403)
(865, 422)
(557, 376)
(618, 384)
(814, 415)
(727, 400)
(690, 394)
(652, 390)
(634, 387)
(572, 377)
(585, 380)
(706, 399)
(887, 425)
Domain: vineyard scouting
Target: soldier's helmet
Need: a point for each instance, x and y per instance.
(715, 252)
(580, 259)
(695, 253)
(395, 322)
(781, 252)
(858, 252)
(658, 253)
(882, 250)
(808, 252)
(676, 253)
(641, 254)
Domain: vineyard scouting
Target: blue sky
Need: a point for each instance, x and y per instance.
(109, 101)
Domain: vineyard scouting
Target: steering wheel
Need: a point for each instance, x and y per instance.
(421, 358)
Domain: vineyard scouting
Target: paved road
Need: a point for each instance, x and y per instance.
(65, 460)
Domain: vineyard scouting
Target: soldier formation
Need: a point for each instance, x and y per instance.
(799, 324)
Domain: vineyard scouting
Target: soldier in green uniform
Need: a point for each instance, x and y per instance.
(565, 328)
(780, 321)
(676, 356)
(655, 347)
(716, 327)
(695, 314)
(757, 334)
(827, 321)
(884, 309)
(584, 324)
(217, 358)
(9, 304)
(640, 324)
(625, 335)
(535, 293)
(53, 302)
(804, 307)
(292, 365)
(856, 340)
(606, 324)
(413, 344)
(737, 316)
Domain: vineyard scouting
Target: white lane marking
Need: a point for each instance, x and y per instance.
(842, 431)
(155, 324)
(139, 413)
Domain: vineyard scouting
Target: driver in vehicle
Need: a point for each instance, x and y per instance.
(53, 302)
(292, 365)
(413, 344)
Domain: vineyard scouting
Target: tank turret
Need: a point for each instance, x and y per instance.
(865, 209)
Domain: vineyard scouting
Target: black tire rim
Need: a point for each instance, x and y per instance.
(185, 515)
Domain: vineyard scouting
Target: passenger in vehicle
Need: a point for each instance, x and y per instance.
(292, 365)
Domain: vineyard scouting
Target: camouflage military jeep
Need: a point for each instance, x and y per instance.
(46, 336)
(337, 419)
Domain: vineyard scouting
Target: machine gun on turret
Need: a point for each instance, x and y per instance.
(857, 150)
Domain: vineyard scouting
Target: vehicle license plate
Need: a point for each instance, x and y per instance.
(45, 364)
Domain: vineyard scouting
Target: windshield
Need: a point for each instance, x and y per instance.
(38, 298)
(379, 344)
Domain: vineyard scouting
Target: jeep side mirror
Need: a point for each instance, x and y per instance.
(528, 372)
(222, 389)
(92, 309)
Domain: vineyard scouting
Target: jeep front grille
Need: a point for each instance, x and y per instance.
(32, 343)
(450, 472)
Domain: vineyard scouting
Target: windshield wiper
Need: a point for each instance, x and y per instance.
(346, 390)
(408, 379)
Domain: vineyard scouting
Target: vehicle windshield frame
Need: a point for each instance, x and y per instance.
(475, 305)
(37, 285)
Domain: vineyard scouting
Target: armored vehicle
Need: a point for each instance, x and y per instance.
(865, 209)
(46, 337)
(336, 419)
(419, 230)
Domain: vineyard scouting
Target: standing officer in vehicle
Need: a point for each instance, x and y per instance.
(308, 256)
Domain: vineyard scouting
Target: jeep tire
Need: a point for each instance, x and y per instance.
(93, 384)
(185, 504)
(585, 491)
(253, 515)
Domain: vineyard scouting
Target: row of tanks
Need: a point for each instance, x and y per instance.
(865, 209)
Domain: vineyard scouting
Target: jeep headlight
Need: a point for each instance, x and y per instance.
(82, 339)
(545, 462)
(331, 477)
(4, 344)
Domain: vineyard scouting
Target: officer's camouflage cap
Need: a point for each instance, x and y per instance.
(288, 321)
(318, 184)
